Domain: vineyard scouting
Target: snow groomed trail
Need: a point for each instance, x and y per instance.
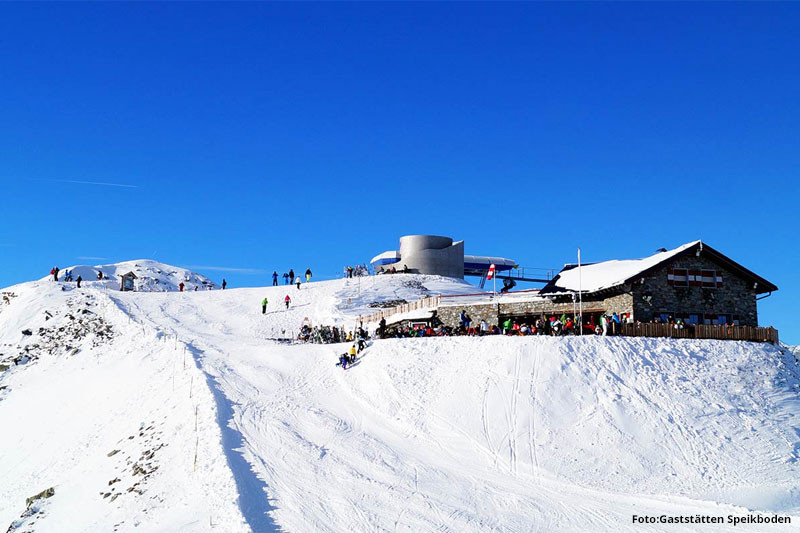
(440, 434)
(496, 433)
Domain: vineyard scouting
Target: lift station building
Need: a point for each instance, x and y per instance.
(439, 256)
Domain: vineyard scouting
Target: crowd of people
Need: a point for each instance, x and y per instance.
(358, 270)
(332, 335)
(554, 325)
(289, 278)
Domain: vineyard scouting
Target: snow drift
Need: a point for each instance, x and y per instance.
(217, 426)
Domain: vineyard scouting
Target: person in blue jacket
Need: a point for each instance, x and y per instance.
(274, 278)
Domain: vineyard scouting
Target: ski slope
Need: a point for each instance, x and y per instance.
(439, 434)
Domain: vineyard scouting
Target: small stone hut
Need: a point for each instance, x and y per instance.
(127, 282)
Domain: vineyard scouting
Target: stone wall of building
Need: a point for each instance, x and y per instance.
(492, 312)
(653, 294)
(450, 315)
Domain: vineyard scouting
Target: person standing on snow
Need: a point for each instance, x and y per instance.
(180, 287)
(285, 278)
(291, 274)
(287, 300)
(79, 281)
(352, 354)
(55, 273)
(224, 284)
(264, 306)
(308, 275)
(297, 281)
(274, 278)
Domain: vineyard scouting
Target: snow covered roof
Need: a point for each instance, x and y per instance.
(386, 258)
(608, 274)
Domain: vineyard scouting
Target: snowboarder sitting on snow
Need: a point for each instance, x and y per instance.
(264, 306)
(287, 300)
(343, 361)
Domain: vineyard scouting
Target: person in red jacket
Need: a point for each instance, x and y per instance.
(287, 300)
(180, 286)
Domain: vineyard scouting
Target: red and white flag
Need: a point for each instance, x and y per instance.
(490, 275)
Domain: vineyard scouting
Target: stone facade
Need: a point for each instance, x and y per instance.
(495, 313)
(645, 299)
(449, 315)
(653, 294)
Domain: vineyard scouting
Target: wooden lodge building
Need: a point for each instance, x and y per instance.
(693, 282)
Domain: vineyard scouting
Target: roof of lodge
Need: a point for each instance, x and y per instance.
(596, 277)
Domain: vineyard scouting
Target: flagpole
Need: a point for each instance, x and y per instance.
(580, 288)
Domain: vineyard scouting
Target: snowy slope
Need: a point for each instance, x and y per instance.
(448, 434)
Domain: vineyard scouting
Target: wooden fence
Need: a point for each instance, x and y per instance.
(702, 331)
(431, 302)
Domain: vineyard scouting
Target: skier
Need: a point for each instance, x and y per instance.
(264, 306)
(79, 281)
(297, 281)
(274, 278)
(224, 284)
(291, 274)
(362, 339)
(285, 278)
(308, 275)
(287, 300)
(180, 286)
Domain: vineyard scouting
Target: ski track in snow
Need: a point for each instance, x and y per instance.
(420, 434)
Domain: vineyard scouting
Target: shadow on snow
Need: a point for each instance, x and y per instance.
(253, 499)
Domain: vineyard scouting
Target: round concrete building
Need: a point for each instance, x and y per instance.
(432, 254)
(438, 256)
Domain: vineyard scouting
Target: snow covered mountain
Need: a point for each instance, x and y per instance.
(152, 276)
(180, 412)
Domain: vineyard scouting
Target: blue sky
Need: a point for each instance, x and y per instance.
(267, 136)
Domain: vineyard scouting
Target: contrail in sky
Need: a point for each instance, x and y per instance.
(103, 183)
